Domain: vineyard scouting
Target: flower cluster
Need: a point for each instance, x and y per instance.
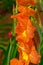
(25, 31)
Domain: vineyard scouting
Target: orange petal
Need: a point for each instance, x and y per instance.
(24, 12)
(31, 2)
(14, 62)
(12, 16)
(21, 25)
(17, 15)
(21, 62)
(22, 39)
(35, 57)
(21, 8)
(20, 28)
(25, 2)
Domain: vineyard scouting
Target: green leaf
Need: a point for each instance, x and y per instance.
(41, 51)
(11, 51)
(3, 48)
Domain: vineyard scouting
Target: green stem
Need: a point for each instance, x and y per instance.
(15, 11)
(15, 51)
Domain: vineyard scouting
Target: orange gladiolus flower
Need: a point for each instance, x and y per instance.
(26, 9)
(25, 59)
(25, 46)
(29, 53)
(25, 31)
(25, 2)
(14, 62)
(18, 62)
(24, 28)
(34, 56)
(24, 12)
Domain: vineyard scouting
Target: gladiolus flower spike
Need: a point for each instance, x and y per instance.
(25, 31)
